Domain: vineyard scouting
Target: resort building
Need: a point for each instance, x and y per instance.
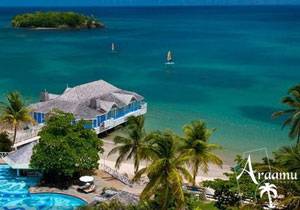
(102, 105)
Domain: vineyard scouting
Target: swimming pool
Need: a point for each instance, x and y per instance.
(14, 194)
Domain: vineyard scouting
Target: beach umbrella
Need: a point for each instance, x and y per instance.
(86, 179)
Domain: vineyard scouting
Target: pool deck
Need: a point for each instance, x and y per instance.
(102, 180)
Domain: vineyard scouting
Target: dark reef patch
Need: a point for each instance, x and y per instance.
(259, 113)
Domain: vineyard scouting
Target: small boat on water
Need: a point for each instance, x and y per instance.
(169, 58)
(113, 48)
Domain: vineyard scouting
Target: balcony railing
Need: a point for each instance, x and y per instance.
(111, 123)
(23, 135)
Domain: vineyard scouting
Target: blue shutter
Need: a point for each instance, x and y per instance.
(39, 118)
(35, 116)
(102, 118)
(98, 120)
(95, 123)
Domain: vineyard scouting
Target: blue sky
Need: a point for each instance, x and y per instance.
(139, 2)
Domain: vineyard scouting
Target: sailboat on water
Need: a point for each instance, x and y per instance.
(113, 48)
(169, 58)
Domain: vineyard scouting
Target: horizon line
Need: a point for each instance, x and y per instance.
(107, 6)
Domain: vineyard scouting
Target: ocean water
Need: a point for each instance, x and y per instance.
(232, 65)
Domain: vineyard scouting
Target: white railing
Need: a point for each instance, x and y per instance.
(24, 135)
(3, 154)
(111, 123)
(114, 173)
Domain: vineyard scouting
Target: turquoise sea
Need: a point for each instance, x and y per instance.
(232, 64)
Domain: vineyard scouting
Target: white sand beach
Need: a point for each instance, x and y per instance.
(127, 166)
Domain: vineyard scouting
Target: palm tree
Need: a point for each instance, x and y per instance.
(131, 146)
(14, 113)
(293, 113)
(196, 138)
(269, 189)
(288, 158)
(166, 171)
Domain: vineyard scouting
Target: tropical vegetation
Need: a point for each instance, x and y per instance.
(227, 191)
(169, 158)
(287, 158)
(292, 113)
(166, 172)
(55, 20)
(14, 113)
(116, 205)
(131, 146)
(5, 142)
(65, 149)
(196, 145)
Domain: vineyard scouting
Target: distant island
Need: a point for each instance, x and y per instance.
(55, 20)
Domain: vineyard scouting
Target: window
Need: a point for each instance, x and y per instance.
(39, 117)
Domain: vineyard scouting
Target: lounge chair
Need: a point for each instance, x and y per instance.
(90, 189)
(83, 187)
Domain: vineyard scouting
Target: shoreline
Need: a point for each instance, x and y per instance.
(127, 168)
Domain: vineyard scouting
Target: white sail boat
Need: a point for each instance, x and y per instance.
(169, 58)
(113, 47)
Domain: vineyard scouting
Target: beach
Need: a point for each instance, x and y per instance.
(127, 168)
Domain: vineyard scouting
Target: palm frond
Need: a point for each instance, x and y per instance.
(139, 174)
(121, 140)
(186, 174)
(114, 150)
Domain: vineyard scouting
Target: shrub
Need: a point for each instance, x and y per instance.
(66, 149)
(5, 142)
